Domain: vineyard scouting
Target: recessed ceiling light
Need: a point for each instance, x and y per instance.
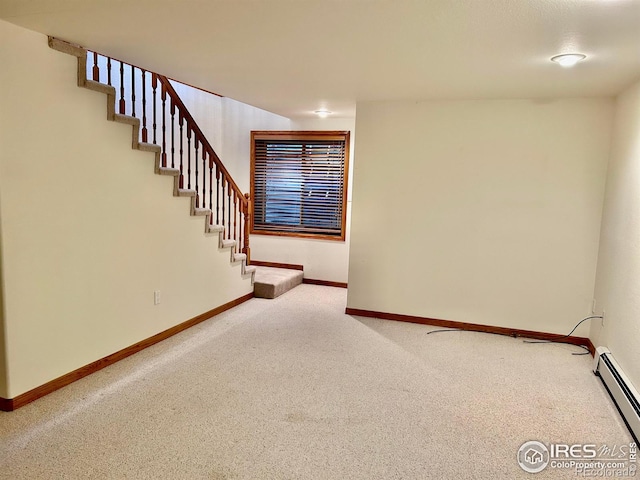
(568, 59)
(322, 113)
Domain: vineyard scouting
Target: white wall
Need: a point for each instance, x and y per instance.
(227, 124)
(479, 211)
(238, 121)
(88, 231)
(618, 278)
(322, 259)
(3, 362)
(206, 110)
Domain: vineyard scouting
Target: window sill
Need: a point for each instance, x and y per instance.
(310, 236)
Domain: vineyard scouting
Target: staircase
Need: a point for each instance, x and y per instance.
(162, 125)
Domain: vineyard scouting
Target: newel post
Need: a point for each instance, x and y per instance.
(247, 221)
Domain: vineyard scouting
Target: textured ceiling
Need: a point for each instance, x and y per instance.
(295, 56)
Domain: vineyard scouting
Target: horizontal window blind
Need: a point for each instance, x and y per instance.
(299, 183)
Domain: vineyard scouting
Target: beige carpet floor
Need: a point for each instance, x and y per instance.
(293, 388)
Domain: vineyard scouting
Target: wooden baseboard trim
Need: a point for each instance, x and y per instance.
(11, 404)
(326, 283)
(511, 332)
(290, 266)
(591, 347)
(293, 266)
(6, 404)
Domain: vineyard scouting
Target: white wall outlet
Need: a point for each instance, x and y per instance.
(603, 317)
(156, 297)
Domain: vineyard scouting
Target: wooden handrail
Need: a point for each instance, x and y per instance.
(191, 123)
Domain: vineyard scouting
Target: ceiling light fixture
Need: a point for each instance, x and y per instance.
(568, 59)
(322, 113)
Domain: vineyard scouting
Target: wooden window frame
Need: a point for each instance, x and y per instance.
(302, 135)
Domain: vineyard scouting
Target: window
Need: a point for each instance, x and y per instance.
(299, 183)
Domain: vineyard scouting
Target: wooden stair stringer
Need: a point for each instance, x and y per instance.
(209, 229)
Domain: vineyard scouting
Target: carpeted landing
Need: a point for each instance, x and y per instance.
(292, 388)
(272, 282)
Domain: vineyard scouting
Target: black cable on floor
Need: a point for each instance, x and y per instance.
(557, 340)
(587, 352)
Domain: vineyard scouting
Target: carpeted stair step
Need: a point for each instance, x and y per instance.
(273, 282)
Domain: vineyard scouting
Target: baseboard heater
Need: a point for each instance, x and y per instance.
(620, 388)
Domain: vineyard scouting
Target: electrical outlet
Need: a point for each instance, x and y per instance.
(603, 317)
(156, 297)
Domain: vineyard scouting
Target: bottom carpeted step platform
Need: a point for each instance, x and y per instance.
(273, 282)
